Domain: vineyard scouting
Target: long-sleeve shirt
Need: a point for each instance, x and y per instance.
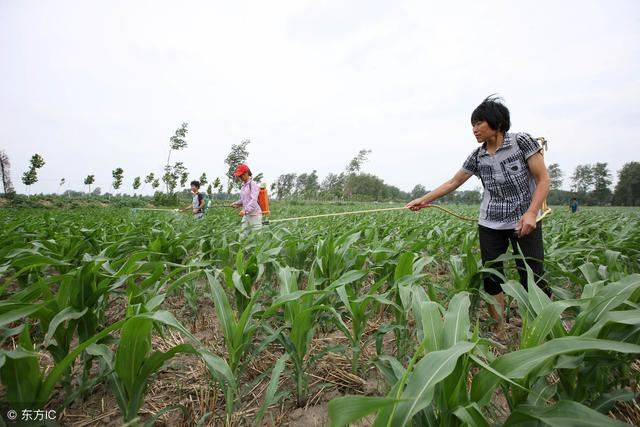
(249, 197)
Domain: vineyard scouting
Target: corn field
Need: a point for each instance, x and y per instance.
(142, 318)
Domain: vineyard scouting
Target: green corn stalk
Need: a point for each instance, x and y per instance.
(432, 379)
(357, 309)
(271, 397)
(301, 309)
(238, 329)
(242, 279)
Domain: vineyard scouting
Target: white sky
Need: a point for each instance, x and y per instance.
(95, 85)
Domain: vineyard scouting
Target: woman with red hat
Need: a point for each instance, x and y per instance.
(251, 213)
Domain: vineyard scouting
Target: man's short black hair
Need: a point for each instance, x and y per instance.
(494, 112)
(196, 183)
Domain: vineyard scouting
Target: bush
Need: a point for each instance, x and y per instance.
(163, 199)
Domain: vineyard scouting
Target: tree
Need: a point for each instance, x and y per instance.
(418, 191)
(203, 179)
(62, 182)
(307, 185)
(366, 187)
(177, 141)
(352, 168)
(333, 186)
(136, 182)
(627, 191)
(98, 191)
(217, 185)
(155, 184)
(285, 184)
(237, 156)
(5, 169)
(184, 177)
(601, 182)
(555, 176)
(171, 174)
(30, 177)
(90, 179)
(356, 163)
(117, 175)
(582, 179)
(149, 179)
(209, 190)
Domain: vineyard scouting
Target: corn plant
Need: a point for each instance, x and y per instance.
(238, 328)
(584, 356)
(241, 280)
(407, 274)
(358, 310)
(300, 312)
(431, 390)
(334, 257)
(22, 377)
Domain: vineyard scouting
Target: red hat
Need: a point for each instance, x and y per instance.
(241, 169)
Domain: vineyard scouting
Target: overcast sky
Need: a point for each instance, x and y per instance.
(95, 85)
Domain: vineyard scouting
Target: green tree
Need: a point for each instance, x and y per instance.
(307, 185)
(582, 179)
(418, 191)
(184, 177)
(237, 156)
(30, 177)
(172, 174)
(5, 168)
(354, 166)
(178, 141)
(117, 175)
(356, 163)
(555, 176)
(627, 191)
(203, 179)
(601, 182)
(155, 184)
(136, 183)
(90, 179)
(333, 186)
(149, 178)
(285, 184)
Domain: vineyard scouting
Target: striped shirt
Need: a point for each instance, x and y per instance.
(506, 178)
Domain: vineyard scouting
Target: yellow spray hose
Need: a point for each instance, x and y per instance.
(545, 208)
(461, 217)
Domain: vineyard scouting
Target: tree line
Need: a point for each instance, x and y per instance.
(589, 183)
